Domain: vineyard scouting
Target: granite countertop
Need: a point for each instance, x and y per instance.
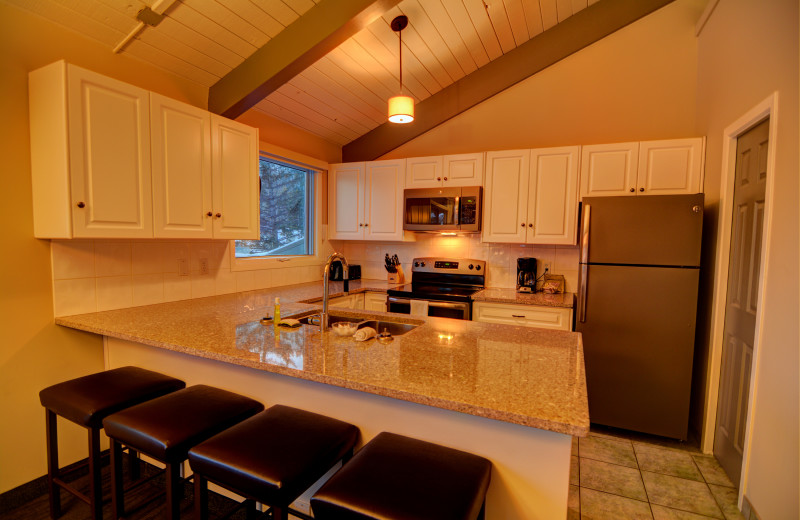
(500, 295)
(527, 376)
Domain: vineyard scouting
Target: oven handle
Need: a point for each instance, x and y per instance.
(394, 299)
(447, 305)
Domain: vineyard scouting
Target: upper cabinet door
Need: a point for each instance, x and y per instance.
(424, 172)
(181, 160)
(235, 180)
(609, 169)
(671, 167)
(109, 151)
(346, 201)
(505, 200)
(463, 170)
(553, 196)
(383, 200)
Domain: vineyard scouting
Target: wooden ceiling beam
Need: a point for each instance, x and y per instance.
(573, 34)
(320, 30)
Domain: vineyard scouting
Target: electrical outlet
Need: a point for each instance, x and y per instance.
(204, 266)
(183, 267)
(546, 268)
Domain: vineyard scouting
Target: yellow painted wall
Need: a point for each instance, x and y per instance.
(747, 51)
(282, 134)
(636, 84)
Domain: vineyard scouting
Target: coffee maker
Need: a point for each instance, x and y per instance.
(526, 275)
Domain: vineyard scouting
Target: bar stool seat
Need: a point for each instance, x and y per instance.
(399, 478)
(272, 457)
(168, 427)
(86, 401)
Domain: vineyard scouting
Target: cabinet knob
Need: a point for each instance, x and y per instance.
(445, 178)
(530, 225)
(641, 189)
(209, 214)
(361, 225)
(366, 225)
(438, 178)
(523, 224)
(632, 190)
(218, 215)
(517, 315)
(81, 205)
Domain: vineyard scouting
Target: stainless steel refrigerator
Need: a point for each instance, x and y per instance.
(637, 304)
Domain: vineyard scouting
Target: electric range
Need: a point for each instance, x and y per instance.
(441, 287)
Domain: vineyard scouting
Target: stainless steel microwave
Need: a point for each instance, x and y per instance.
(443, 209)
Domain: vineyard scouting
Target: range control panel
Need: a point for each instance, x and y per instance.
(450, 266)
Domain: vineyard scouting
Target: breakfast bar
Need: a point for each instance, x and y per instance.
(514, 395)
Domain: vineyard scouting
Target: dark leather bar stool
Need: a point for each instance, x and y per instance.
(399, 478)
(271, 458)
(167, 428)
(86, 401)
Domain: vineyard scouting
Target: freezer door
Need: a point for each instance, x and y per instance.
(644, 230)
(638, 327)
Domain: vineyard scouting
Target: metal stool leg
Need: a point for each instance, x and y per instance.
(52, 463)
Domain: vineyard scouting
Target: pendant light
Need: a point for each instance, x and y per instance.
(401, 108)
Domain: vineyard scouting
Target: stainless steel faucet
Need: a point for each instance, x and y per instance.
(326, 272)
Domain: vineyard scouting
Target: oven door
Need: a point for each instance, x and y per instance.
(436, 308)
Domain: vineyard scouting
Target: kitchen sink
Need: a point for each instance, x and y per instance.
(392, 327)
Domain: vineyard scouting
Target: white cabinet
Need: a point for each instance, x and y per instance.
(181, 153)
(448, 170)
(90, 155)
(557, 318)
(670, 167)
(375, 301)
(110, 160)
(365, 200)
(531, 196)
(235, 179)
(667, 167)
(609, 169)
(351, 301)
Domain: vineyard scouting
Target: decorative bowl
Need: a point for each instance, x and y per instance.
(344, 328)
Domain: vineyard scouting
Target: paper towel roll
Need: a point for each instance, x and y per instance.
(364, 333)
(419, 307)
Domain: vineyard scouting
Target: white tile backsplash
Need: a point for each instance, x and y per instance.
(148, 289)
(112, 258)
(73, 259)
(147, 258)
(114, 292)
(74, 296)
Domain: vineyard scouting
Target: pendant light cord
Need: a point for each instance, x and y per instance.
(400, 34)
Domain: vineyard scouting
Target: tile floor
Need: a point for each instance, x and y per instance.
(616, 477)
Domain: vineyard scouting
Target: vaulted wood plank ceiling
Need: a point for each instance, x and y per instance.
(340, 96)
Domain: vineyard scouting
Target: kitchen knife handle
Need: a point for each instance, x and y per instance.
(587, 217)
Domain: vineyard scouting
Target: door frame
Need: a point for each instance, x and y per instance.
(768, 108)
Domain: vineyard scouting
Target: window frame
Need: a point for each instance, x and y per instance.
(318, 173)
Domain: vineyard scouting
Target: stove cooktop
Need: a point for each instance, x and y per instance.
(443, 279)
(434, 292)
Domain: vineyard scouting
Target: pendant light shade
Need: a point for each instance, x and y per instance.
(401, 108)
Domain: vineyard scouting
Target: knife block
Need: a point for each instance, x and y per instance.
(397, 277)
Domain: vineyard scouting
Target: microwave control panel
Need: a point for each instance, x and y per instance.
(469, 210)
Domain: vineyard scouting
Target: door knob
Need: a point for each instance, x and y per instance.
(530, 225)
(209, 214)
(438, 178)
(81, 205)
(445, 178)
(641, 189)
(523, 224)
(218, 215)
(366, 225)
(632, 190)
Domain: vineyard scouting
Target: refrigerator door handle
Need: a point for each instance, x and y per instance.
(582, 293)
(587, 216)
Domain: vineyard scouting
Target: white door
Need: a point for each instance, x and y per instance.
(553, 196)
(383, 200)
(609, 169)
(505, 201)
(424, 172)
(109, 129)
(235, 180)
(464, 169)
(346, 201)
(181, 160)
(742, 299)
(671, 167)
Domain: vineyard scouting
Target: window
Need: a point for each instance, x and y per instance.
(287, 212)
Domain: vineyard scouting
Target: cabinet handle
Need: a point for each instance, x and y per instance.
(641, 189)
(445, 178)
(218, 215)
(530, 225)
(366, 225)
(438, 178)
(523, 224)
(81, 205)
(209, 214)
(361, 225)
(517, 315)
(632, 190)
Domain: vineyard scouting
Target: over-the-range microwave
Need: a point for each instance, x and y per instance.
(437, 210)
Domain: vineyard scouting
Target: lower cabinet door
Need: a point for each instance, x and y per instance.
(375, 301)
(557, 318)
